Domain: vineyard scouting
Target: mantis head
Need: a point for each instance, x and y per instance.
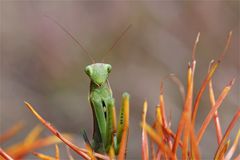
(98, 72)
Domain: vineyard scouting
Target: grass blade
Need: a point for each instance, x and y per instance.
(33, 135)
(98, 155)
(186, 110)
(172, 134)
(219, 101)
(230, 127)
(238, 157)
(194, 148)
(163, 115)
(57, 154)
(153, 153)
(202, 89)
(5, 155)
(11, 132)
(234, 147)
(111, 153)
(145, 150)
(70, 157)
(56, 132)
(222, 151)
(43, 156)
(154, 136)
(216, 118)
(180, 85)
(212, 70)
(90, 151)
(19, 150)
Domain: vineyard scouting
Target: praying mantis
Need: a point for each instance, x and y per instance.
(106, 134)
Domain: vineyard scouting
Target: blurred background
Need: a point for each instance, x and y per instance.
(42, 65)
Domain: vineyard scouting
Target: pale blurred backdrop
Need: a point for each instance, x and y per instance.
(43, 65)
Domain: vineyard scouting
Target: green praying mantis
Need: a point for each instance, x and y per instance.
(102, 103)
(106, 134)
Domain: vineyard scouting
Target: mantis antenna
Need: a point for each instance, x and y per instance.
(71, 35)
(116, 42)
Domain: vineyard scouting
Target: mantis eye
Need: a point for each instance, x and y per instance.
(88, 70)
(109, 68)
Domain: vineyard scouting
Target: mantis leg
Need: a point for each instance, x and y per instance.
(99, 136)
(111, 120)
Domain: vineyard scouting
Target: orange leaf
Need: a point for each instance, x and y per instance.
(33, 135)
(216, 118)
(19, 150)
(5, 155)
(186, 112)
(223, 151)
(70, 157)
(145, 152)
(212, 70)
(154, 136)
(43, 156)
(234, 147)
(11, 132)
(98, 155)
(56, 132)
(230, 127)
(219, 101)
(111, 153)
(57, 154)
(194, 145)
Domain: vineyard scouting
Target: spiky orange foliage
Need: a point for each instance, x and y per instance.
(11, 132)
(31, 142)
(88, 152)
(46, 157)
(145, 152)
(163, 142)
(61, 137)
(185, 136)
(5, 155)
(216, 118)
